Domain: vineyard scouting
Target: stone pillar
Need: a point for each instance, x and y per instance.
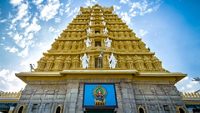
(71, 98)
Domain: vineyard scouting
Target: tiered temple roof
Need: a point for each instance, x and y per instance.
(96, 25)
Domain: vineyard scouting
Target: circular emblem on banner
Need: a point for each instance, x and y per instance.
(99, 94)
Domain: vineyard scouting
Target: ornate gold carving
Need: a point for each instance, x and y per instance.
(58, 63)
(148, 63)
(49, 64)
(157, 64)
(41, 64)
(139, 63)
(129, 61)
(67, 63)
(70, 44)
(75, 62)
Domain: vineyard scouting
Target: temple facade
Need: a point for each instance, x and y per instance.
(98, 65)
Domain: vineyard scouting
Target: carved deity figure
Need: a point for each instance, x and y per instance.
(41, 64)
(67, 45)
(75, 62)
(129, 62)
(91, 18)
(74, 45)
(148, 63)
(90, 23)
(108, 42)
(157, 64)
(135, 46)
(89, 31)
(80, 45)
(54, 45)
(112, 61)
(105, 30)
(122, 62)
(88, 42)
(104, 23)
(121, 45)
(67, 62)
(85, 61)
(142, 45)
(139, 63)
(60, 45)
(58, 63)
(128, 47)
(49, 64)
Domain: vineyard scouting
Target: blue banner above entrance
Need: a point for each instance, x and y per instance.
(99, 95)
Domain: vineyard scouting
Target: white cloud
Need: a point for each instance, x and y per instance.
(73, 12)
(11, 49)
(15, 2)
(125, 17)
(90, 2)
(51, 29)
(17, 38)
(124, 1)
(33, 27)
(143, 7)
(9, 82)
(3, 20)
(57, 20)
(142, 33)
(37, 2)
(24, 52)
(188, 85)
(50, 10)
(116, 8)
(25, 22)
(22, 12)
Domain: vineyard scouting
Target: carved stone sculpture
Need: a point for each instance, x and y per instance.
(129, 61)
(105, 30)
(128, 46)
(58, 63)
(67, 62)
(148, 63)
(142, 46)
(135, 46)
(54, 45)
(60, 45)
(157, 64)
(85, 61)
(88, 42)
(74, 45)
(41, 64)
(67, 45)
(75, 62)
(49, 64)
(139, 63)
(108, 42)
(104, 23)
(112, 61)
(89, 31)
(122, 62)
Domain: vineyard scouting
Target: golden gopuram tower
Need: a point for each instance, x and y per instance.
(98, 65)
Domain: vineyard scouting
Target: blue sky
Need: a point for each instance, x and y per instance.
(170, 28)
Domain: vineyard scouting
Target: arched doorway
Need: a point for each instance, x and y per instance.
(141, 110)
(58, 109)
(20, 109)
(181, 110)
